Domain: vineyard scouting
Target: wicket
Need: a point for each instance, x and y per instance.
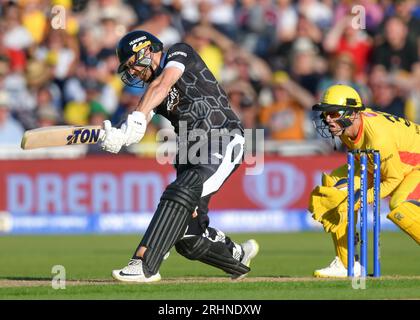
(363, 154)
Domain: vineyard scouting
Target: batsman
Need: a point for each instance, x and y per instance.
(181, 88)
(342, 114)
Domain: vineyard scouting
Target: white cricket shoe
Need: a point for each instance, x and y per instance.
(337, 270)
(133, 272)
(250, 248)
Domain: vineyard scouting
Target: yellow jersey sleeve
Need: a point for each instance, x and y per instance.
(398, 142)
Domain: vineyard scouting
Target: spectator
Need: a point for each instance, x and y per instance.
(34, 19)
(305, 29)
(90, 47)
(243, 100)
(39, 76)
(405, 10)
(242, 42)
(25, 101)
(73, 88)
(188, 10)
(220, 14)
(129, 99)
(108, 76)
(11, 131)
(319, 13)
(241, 95)
(61, 52)
(110, 31)
(249, 113)
(94, 12)
(160, 23)
(108, 94)
(306, 68)
(47, 116)
(257, 23)
(344, 38)
(285, 119)
(373, 13)
(239, 64)
(398, 52)
(308, 29)
(342, 71)
(4, 69)
(201, 40)
(16, 36)
(385, 96)
(78, 113)
(287, 20)
(45, 96)
(72, 19)
(14, 84)
(144, 9)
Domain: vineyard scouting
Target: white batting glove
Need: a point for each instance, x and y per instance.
(113, 139)
(135, 127)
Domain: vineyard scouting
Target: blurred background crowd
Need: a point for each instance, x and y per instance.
(273, 57)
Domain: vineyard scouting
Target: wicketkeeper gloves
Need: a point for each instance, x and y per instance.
(324, 203)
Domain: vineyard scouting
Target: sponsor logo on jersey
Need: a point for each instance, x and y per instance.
(177, 53)
(384, 159)
(83, 135)
(173, 99)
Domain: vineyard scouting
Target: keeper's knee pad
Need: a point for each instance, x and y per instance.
(407, 217)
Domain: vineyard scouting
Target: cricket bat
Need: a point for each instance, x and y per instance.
(56, 136)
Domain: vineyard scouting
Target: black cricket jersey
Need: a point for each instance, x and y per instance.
(196, 98)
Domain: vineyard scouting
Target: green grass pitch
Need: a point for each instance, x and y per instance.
(282, 270)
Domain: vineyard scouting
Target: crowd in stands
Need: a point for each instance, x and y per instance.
(273, 57)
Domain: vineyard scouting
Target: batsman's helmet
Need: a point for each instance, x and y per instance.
(340, 99)
(133, 43)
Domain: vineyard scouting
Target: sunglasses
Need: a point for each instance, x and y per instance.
(333, 114)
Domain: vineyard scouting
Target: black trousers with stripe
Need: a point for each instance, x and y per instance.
(223, 158)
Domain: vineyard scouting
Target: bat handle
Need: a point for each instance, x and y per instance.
(102, 135)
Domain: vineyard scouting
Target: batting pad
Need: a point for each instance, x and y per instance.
(213, 252)
(171, 218)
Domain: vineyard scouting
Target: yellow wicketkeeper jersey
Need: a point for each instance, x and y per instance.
(398, 141)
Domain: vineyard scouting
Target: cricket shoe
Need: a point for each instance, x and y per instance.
(133, 272)
(337, 270)
(250, 248)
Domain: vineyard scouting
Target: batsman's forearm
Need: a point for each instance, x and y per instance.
(151, 99)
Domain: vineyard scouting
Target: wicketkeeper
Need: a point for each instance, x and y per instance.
(182, 89)
(342, 114)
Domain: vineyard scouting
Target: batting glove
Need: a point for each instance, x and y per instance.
(113, 139)
(135, 127)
